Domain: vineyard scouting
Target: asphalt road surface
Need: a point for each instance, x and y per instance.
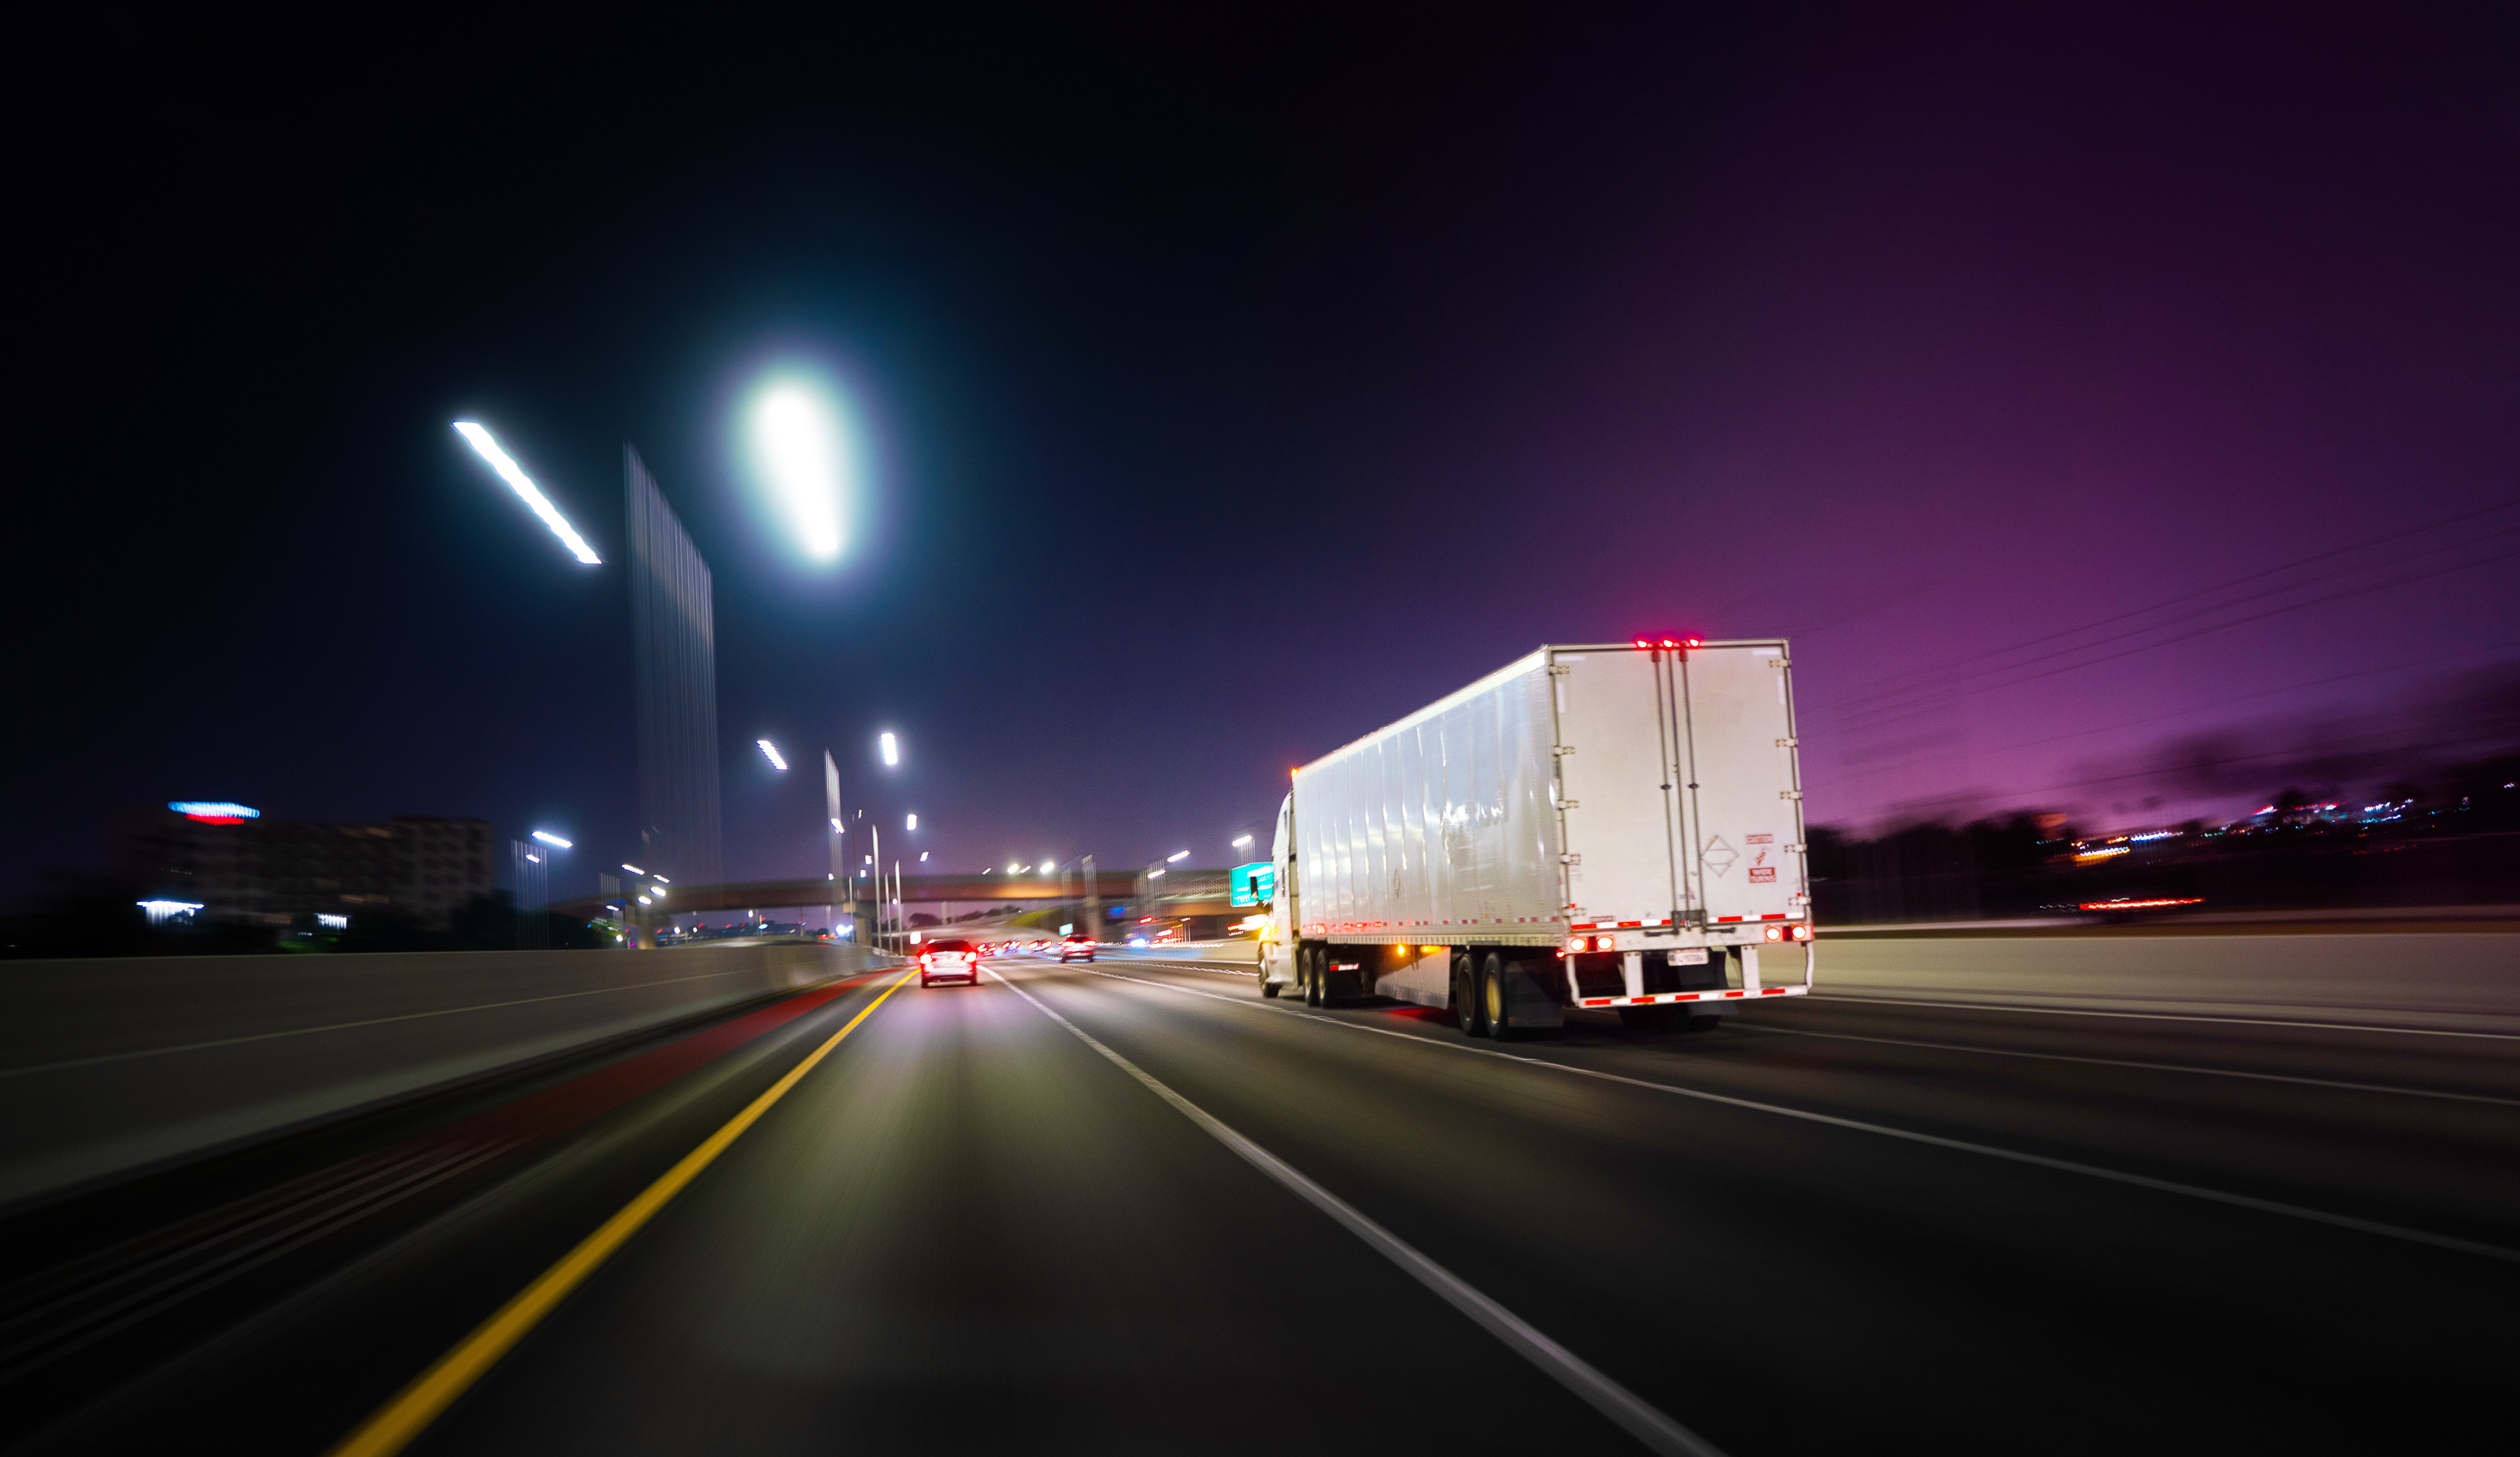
(1133, 1206)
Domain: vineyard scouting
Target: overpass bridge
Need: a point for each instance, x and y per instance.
(1178, 893)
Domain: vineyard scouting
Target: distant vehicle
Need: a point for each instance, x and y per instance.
(949, 961)
(1612, 825)
(1038, 946)
(1071, 948)
(1169, 936)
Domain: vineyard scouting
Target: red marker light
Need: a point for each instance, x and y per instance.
(1642, 643)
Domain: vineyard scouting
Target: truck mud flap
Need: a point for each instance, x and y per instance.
(1527, 997)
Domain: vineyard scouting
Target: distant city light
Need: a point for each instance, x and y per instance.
(633, 869)
(913, 821)
(892, 747)
(551, 840)
(661, 880)
(163, 912)
(533, 494)
(333, 922)
(1176, 856)
(922, 857)
(797, 446)
(213, 811)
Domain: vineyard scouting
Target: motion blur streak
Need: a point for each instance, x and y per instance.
(1631, 1412)
(524, 487)
(2041, 1161)
(803, 456)
(411, 1411)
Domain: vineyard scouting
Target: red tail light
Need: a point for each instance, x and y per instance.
(1802, 933)
(1775, 933)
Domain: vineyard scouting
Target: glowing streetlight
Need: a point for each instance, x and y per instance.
(913, 821)
(797, 446)
(528, 491)
(769, 751)
(1242, 842)
(890, 748)
(551, 840)
(1176, 857)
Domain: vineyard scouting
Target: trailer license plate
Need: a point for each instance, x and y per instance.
(1695, 956)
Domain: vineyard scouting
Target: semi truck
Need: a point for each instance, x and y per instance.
(1614, 827)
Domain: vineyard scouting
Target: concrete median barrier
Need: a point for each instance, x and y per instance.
(2442, 980)
(110, 1067)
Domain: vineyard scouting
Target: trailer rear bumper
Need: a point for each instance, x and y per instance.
(1665, 999)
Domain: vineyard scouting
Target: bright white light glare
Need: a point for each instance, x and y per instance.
(1154, 874)
(1241, 840)
(551, 840)
(769, 751)
(913, 821)
(644, 901)
(1014, 869)
(633, 869)
(892, 747)
(922, 857)
(333, 922)
(658, 891)
(803, 459)
(1176, 856)
(531, 493)
(836, 826)
(661, 880)
(163, 912)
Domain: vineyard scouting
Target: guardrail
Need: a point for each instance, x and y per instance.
(111, 1067)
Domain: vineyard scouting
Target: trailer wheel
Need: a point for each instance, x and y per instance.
(1465, 995)
(1313, 966)
(1496, 1001)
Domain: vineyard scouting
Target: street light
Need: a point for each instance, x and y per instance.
(892, 748)
(799, 447)
(1176, 857)
(551, 840)
(769, 751)
(913, 821)
(526, 490)
(1242, 842)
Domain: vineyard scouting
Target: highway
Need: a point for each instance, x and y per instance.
(1133, 1206)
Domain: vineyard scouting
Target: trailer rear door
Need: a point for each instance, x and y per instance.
(1743, 804)
(1619, 794)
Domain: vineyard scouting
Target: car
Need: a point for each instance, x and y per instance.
(1072, 946)
(947, 961)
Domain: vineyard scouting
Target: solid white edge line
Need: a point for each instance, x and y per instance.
(1633, 1413)
(1980, 1006)
(2041, 1161)
(2149, 1067)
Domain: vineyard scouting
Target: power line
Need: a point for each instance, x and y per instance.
(1908, 682)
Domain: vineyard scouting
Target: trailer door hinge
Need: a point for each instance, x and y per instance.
(1789, 794)
(1559, 669)
(1570, 858)
(1570, 803)
(1781, 662)
(1789, 743)
(1562, 750)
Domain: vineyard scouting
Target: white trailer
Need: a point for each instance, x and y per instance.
(1609, 825)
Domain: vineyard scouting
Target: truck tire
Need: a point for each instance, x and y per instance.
(1314, 962)
(1496, 999)
(1465, 995)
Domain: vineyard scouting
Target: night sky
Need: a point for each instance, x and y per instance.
(1232, 386)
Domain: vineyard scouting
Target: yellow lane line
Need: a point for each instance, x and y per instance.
(396, 1423)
